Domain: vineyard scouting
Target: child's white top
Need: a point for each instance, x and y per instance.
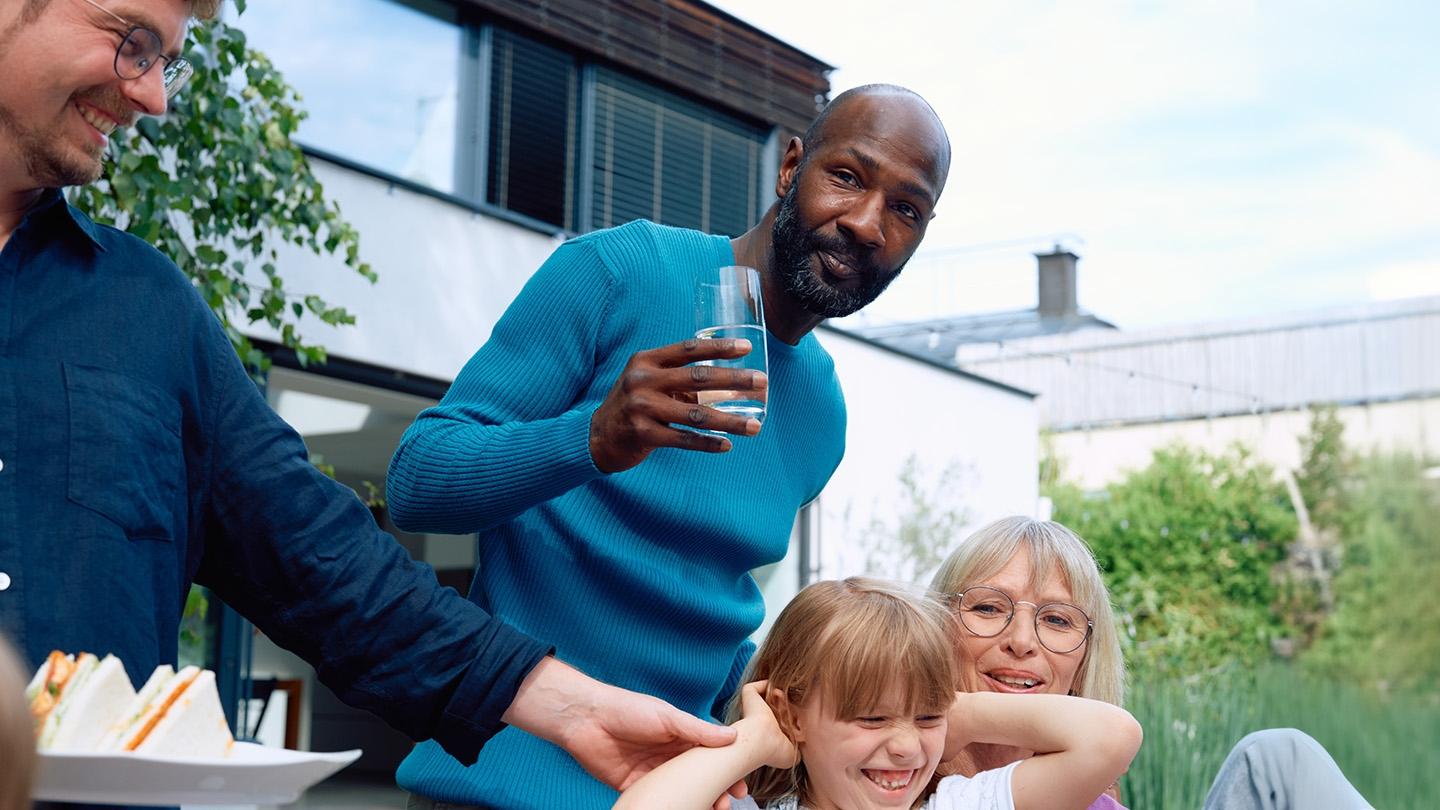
(987, 790)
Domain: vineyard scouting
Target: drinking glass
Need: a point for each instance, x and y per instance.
(728, 304)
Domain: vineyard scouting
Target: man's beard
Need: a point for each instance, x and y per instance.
(45, 165)
(792, 250)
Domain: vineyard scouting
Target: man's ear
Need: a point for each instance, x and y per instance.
(789, 165)
(785, 715)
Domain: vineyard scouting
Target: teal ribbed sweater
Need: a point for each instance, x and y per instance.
(640, 578)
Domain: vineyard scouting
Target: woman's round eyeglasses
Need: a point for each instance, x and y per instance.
(986, 612)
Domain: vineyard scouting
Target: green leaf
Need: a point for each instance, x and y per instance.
(222, 168)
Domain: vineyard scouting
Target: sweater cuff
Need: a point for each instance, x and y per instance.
(504, 658)
(574, 460)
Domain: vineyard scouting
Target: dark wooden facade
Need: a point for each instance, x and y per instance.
(690, 45)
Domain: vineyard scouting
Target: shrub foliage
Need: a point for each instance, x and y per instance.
(1189, 546)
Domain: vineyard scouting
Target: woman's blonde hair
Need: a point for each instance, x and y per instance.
(17, 733)
(1050, 545)
(849, 642)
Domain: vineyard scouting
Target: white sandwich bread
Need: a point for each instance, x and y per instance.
(183, 718)
(91, 704)
(138, 705)
(80, 703)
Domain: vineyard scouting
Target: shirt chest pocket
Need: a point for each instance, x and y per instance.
(126, 459)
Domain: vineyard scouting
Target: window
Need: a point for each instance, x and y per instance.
(503, 119)
(531, 143)
(663, 157)
(378, 78)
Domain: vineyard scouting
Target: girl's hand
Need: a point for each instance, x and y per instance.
(778, 750)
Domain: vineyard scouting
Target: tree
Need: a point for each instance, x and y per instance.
(1324, 466)
(1385, 630)
(1318, 492)
(218, 185)
(929, 525)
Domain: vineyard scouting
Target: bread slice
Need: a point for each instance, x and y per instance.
(90, 708)
(182, 718)
(136, 708)
(193, 726)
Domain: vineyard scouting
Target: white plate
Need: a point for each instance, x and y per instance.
(252, 774)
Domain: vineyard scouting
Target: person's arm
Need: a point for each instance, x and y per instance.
(693, 780)
(300, 556)
(1082, 746)
(520, 424)
(509, 433)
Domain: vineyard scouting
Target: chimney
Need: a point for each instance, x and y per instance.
(1057, 284)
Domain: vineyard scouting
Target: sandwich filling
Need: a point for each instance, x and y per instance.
(136, 735)
(48, 687)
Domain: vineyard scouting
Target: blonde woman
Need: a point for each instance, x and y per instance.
(1035, 619)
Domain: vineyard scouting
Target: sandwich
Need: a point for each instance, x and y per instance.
(82, 703)
(58, 678)
(175, 715)
(137, 705)
(47, 686)
(91, 701)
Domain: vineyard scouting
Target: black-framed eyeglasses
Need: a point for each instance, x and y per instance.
(140, 49)
(985, 611)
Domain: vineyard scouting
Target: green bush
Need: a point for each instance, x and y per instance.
(1192, 548)
(1188, 547)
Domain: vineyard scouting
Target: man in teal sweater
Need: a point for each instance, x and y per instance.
(623, 540)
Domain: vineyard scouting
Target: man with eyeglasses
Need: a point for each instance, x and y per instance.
(136, 456)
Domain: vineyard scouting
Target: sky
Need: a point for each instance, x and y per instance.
(1206, 160)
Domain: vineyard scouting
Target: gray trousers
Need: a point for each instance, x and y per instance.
(1281, 769)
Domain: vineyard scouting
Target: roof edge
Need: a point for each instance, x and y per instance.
(357, 371)
(935, 364)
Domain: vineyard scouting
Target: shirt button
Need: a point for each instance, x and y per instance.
(2, 463)
(4, 581)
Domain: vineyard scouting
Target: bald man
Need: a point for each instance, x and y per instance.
(603, 527)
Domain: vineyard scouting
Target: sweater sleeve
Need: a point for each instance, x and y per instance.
(734, 680)
(513, 431)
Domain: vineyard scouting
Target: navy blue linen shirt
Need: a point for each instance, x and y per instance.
(136, 456)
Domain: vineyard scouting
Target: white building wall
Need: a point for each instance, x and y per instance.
(446, 275)
(899, 408)
(1094, 458)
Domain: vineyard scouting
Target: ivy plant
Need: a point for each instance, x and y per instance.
(219, 184)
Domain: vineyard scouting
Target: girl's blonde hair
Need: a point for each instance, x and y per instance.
(17, 733)
(1050, 545)
(848, 643)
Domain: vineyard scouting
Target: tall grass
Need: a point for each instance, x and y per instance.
(1388, 747)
